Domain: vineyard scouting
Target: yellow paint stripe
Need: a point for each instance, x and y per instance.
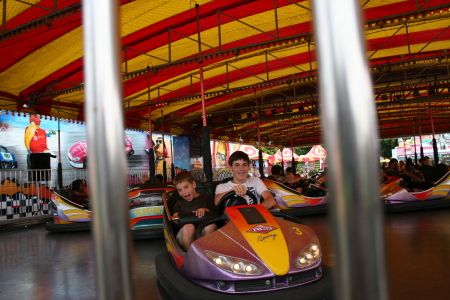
(14, 8)
(412, 28)
(292, 203)
(44, 62)
(76, 217)
(74, 211)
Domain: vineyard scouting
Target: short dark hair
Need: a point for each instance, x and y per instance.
(276, 170)
(182, 177)
(76, 184)
(393, 160)
(159, 177)
(238, 155)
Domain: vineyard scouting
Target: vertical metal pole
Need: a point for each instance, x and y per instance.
(169, 45)
(415, 146)
(407, 38)
(267, 67)
(350, 129)
(435, 149)
(260, 157)
(228, 78)
(60, 182)
(4, 16)
(151, 152)
(309, 54)
(276, 18)
(126, 59)
(206, 149)
(420, 139)
(200, 63)
(219, 29)
(107, 166)
(164, 146)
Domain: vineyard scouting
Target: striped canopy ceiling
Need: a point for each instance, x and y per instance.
(258, 56)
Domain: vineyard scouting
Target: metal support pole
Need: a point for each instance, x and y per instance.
(169, 45)
(276, 18)
(4, 16)
(126, 59)
(435, 149)
(60, 181)
(420, 139)
(164, 146)
(219, 28)
(206, 149)
(107, 166)
(415, 146)
(151, 151)
(350, 129)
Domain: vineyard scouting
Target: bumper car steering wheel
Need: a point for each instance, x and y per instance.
(230, 199)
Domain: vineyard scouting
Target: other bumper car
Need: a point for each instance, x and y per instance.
(294, 203)
(397, 198)
(254, 255)
(7, 159)
(146, 213)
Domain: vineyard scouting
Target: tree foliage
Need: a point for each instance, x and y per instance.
(302, 150)
(270, 151)
(386, 147)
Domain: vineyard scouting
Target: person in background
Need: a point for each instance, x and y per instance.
(144, 178)
(290, 181)
(426, 161)
(276, 173)
(401, 166)
(159, 178)
(392, 169)
(79, 194)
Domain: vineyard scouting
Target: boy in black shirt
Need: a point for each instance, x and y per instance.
(192, 202)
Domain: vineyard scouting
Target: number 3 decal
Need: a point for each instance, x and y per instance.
(297, 231)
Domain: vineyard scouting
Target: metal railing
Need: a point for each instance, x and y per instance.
(25, 193)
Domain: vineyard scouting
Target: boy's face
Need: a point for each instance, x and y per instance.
(187, 190)
(240, 168)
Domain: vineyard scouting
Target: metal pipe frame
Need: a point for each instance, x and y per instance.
(107, 164)
(348, 114)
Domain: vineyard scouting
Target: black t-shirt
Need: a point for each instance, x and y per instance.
(202, 201)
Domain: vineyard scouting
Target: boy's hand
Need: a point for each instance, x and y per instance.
(200, 212)
(240, 190)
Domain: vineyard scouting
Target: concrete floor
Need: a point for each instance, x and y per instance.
(35, 264)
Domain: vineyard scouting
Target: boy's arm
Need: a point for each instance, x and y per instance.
(269, 200)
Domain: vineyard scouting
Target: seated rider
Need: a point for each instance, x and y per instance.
(276, 173)
(191, 202)
(239, 165)
(289, 180)
(393, 168)
(79, 194)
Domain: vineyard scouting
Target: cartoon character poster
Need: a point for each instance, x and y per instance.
(28, 133)
(221, 153)
(162, 150)
(35, 137)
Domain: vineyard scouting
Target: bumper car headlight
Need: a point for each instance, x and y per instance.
(76, 158)
(309, 255)
(233, 265)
